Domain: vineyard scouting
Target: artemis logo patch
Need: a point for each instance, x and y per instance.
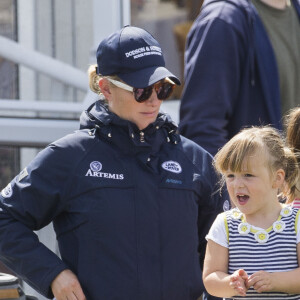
(96, 167)
(172, 166)
(7, 191)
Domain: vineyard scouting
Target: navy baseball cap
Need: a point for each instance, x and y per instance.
(135, 56)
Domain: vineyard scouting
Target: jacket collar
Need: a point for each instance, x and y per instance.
(98, 119)
(98, 113)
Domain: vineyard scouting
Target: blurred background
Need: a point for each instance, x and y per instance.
(46, 47)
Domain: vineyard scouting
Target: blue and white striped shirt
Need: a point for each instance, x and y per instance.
(277, 253)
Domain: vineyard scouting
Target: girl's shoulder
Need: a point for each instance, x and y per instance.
(233, 214)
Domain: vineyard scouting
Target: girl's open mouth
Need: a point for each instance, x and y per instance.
(243, 199)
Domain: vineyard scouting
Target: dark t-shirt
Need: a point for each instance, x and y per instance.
(283, 28)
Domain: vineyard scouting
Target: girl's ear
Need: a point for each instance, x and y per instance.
(105, 88)
(278, 178)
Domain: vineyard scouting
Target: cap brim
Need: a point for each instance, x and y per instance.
(147, 76)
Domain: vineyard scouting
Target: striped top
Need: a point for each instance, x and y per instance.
(296, 203)
(271, 250)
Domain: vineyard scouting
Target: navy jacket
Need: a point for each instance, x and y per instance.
(126, 208)
(231, 77)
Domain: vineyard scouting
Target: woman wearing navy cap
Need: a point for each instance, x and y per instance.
(131, 200)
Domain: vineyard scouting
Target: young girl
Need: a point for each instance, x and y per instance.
(293, 141)
(253, 250)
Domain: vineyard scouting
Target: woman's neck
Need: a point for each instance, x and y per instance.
(279, 4)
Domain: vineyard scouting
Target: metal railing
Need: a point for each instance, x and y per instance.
(20, 120)
(44, 64)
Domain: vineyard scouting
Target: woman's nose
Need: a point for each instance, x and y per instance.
(153, 99)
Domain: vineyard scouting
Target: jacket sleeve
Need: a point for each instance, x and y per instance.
(213, 58)
(31, 201)
(211, 201)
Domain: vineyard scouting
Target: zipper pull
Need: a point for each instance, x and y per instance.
(142, 137)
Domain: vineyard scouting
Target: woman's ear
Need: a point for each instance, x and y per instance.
(279, 178)
(105, 88)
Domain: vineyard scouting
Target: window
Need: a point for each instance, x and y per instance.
(8, 70)
(169, 22)
(9, 156)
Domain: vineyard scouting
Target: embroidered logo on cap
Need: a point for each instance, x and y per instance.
(7, 191)
(172, 166)
(144, 51)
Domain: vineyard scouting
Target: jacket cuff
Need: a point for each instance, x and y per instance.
(45, 288)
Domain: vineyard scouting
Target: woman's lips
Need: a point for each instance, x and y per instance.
(149, 114)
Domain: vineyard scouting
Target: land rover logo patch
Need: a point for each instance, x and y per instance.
(172, 166)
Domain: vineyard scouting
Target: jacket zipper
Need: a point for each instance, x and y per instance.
(142, 137)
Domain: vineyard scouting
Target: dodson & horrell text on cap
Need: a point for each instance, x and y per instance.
(134, 55)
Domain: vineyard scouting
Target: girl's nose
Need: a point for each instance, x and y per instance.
(239, 182)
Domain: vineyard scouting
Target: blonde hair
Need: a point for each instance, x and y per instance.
(268, 140)
(292, 123)
(94, 79)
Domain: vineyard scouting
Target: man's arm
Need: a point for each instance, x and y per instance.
(214, 57)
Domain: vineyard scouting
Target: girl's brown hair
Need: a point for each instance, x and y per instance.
(266, 139)
(292, 122)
